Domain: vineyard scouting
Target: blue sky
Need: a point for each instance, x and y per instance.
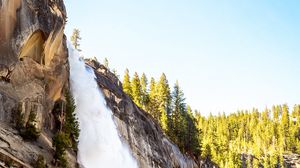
(227, 55)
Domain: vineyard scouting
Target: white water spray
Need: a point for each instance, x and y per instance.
(99, 143)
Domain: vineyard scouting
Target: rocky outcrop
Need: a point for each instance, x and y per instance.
(33, 78)
(33, 74)
(149, 145)
(291, 160)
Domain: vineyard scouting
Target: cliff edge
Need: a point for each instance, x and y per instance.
(33, 77)
(149, 145)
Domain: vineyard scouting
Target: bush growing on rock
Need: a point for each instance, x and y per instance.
(71, 126)
(40, 162)
(67, 136)
(27, 131)
(31, 131)
(60, 144)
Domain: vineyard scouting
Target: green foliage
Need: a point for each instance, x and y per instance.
(31, 131)
(136, 89)
(68, 136)
(145, 95)
(114, 71)
(192, 134)
(163, 101)
(168, 110)
(177, 120)
(60, 144)
(153, 100)
(9, 163)
(260, 136)
(71, 126)
(75, 38)
(40, 162)
(20, 121)
(164, 121)
(127, 84)
(28, 130)
(245, 138)
(105, 63)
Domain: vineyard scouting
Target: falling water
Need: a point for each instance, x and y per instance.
(99, 143)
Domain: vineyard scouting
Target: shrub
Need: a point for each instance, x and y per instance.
(40, 162)
(60, 143)
(30, 131)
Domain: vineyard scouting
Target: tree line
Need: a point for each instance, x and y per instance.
(251, 138)
(167, 107)
(246, 138)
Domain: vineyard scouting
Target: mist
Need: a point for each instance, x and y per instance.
(99, 142)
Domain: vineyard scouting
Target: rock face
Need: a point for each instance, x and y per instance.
(33, 78)
(291, 160)
(33, 74)
(149, 145)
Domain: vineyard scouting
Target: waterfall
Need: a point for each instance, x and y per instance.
(99, 143)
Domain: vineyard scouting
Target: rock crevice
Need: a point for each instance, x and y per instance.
(149, 145)
(34, 74)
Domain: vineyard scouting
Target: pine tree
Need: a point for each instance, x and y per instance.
(164, 95)
(242, 139)
(71, 127)
(105, 63)
(178, 100)
(114, 71)
(192, 145)
(296, 128)
(164, 121)
(75, 38)
(127, 84)
(145, 94)
(136, 89)
(285, 123)
(60, 143)
(276, 113)
(163, 100)
(178, 125)
(153, 102)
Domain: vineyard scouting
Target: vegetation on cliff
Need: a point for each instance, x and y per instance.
(27, 130)
(240, 139)
(167, 108)
(246, 138)
(75, 38)
(67, 136)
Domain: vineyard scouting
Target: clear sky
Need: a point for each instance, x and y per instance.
(226, 55)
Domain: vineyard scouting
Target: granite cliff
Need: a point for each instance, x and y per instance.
(34, 77)
(149, 145)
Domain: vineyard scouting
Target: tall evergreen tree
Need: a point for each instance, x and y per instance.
(145, 94)
(164, 95)
(285, 124)
(75, 38)
(163, 100)
(191, 145)
(243, 139)
(127, 84)
(177, 124)
(136, 89)
(105, 63)
(153, 102)
(71, 127)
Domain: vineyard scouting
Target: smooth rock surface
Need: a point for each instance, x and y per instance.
(149, 145)
(33, 74)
